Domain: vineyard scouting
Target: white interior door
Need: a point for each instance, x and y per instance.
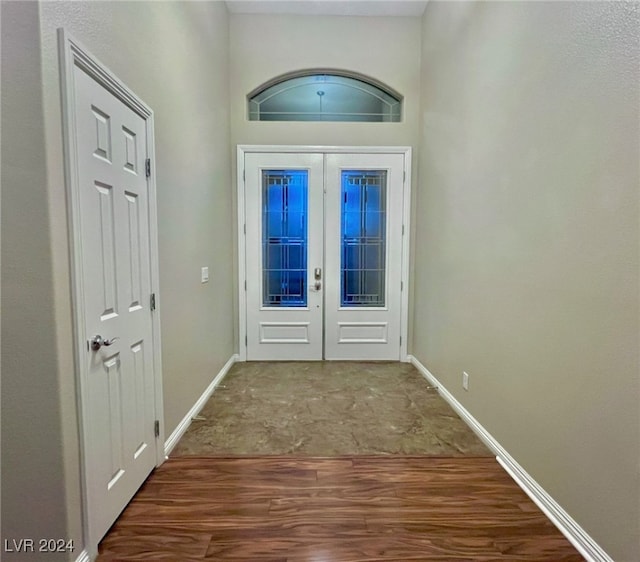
(324, 255)
(110, 143)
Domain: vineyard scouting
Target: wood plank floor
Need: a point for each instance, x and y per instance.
(346, 509)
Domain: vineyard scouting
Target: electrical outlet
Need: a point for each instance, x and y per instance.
(465, 381)
(204, 275)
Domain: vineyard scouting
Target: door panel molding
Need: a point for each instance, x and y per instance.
(362, 332)
(243, 151)
(74, 56)
(284, 332)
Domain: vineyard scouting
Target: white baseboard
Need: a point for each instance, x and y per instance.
(179, 431)
(83, 557)
(578, 537)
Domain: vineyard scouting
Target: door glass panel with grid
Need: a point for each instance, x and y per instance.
(284, 237)
(362, 238)
(323, 255)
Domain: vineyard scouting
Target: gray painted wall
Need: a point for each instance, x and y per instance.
(33, 480)
(174, 55)
(526, 266)
(387, 49)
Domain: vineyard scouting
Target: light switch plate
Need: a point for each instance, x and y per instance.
(205, 275)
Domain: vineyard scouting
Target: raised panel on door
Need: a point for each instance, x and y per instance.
(116, 281)
(363, 256)
(283, 241)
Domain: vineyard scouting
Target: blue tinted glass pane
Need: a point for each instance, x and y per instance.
(284, 238)
(362, 237)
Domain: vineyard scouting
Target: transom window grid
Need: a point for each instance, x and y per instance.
(325, 97)
(363, 238)
(284, 238)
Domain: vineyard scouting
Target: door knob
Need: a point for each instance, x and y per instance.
(97, 342)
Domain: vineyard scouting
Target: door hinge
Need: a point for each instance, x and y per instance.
(244, 227)
(404, 177)
(246, 339)
(244, 175)
(403, 230)
(401, 286)
(400, 340)
(152, 302)
(156, 428)
(245, 284)
(147, 166)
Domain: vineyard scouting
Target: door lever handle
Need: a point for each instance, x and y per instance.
(96, 342)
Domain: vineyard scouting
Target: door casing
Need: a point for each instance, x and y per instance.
(406, 216)
(73, 54)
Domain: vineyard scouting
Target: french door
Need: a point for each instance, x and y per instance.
(323, 247)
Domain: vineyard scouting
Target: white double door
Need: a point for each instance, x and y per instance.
(323, 249)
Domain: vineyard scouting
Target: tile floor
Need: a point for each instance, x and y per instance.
(328, 408)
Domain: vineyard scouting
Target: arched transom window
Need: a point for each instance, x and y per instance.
(324, 96)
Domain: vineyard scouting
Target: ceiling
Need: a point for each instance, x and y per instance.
(329, 7)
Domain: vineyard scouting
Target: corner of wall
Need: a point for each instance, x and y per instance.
(34, 490)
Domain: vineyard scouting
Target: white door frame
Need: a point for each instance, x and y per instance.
(406, 216)
(72, 53)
